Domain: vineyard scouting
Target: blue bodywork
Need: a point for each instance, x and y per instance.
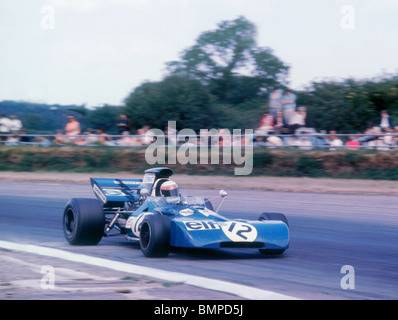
(200, 227)
(193, 223)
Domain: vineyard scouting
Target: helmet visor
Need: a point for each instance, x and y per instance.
(169, 190)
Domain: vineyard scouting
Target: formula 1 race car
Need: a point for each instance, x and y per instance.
(152, 212)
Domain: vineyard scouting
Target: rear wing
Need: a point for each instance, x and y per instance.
(114, 192)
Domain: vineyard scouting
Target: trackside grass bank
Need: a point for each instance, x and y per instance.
(285, 184)
(351, 164)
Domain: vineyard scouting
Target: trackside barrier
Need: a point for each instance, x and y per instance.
(305, 141)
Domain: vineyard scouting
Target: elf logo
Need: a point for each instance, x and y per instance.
(201, 225)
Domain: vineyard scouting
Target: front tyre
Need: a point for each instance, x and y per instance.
(155, 236)
(273, 216)
(83, 221)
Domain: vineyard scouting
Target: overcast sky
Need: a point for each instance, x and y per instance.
(96, 52)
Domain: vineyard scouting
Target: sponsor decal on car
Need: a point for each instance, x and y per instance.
(134, 223)
(201, 225)
(186, 212)
(236, 231)
(113, 192)
(99, 193)
(239, 231)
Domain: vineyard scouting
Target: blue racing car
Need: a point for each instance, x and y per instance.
(152, 212)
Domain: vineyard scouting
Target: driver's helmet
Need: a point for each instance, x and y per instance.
(169, 189)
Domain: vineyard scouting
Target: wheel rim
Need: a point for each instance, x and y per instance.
(145, 235)
(69, 222)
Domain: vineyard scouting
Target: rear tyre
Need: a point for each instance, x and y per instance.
(155, 236)
(278, 217)
(83, 221)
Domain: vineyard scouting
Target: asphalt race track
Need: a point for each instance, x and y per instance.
(327, 232)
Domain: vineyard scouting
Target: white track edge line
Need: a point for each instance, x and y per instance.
(197, 281)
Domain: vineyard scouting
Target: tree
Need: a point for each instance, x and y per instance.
(105, 118)
(219, 82)
(347, 106)
(227, 58)
(176, 98)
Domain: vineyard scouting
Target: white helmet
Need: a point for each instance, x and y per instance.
(169, 189)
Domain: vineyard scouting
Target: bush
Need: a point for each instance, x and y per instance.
(308, 166)
(262, 159)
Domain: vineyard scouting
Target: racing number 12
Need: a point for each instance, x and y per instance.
(243, 228)
(238, 231)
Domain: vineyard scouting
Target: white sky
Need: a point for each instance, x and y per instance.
(100, 50)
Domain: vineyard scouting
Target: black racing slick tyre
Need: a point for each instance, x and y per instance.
(83, 221)
(155, 236)
(273, 216)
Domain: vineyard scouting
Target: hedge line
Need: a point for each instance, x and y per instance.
(364, 164)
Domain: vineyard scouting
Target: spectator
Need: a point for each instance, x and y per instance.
(125, 140)
(101, 136)
(335, 141)
(147, 135)
(15, 124)
(171, 135)
(297, 120)
(372, 133)
(24, 138)
(91, 137)
(59, 138)
(293, 142)
(4, 126)
(12, 141)
(123, 124)
(266, 124)
(81, 140)
(352, 143)
(267, 120)
(188, 142)
(275, 102)
(109, 142)
(385, 120)
(135, 141)
(236, 140)
(373, 130)
(274, 141)
(288, 105)
(205, 139)
(394, 133)
(259, 141)
(247, 140)
(72, 129)
(386, 141)
(280, 126)
(43, 141)
(305, 143)
(225, 137)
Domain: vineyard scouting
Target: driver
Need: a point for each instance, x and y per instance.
(169, 189)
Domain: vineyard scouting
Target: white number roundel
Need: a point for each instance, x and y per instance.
(239, 231)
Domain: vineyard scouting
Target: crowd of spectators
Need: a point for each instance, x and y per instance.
(283, 125)
(91, 137)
